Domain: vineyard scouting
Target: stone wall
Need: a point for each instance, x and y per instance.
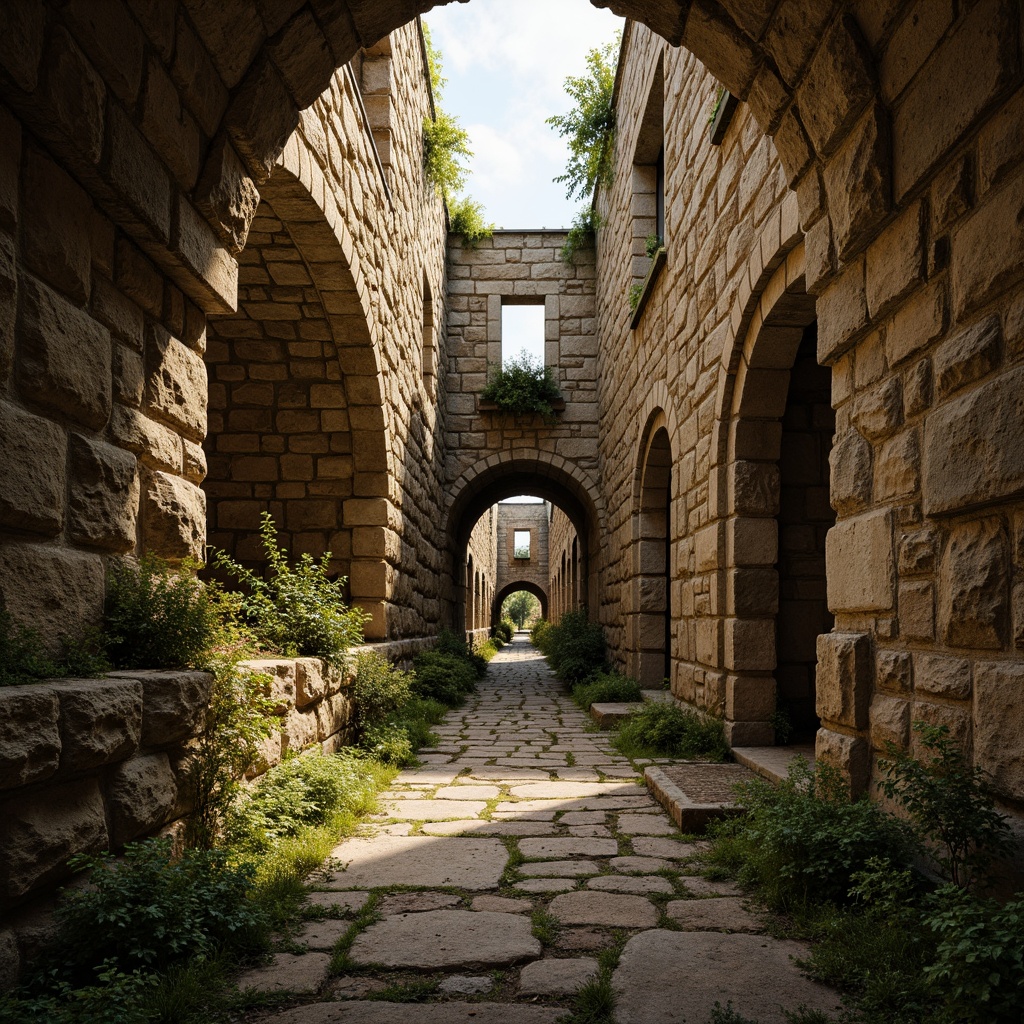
(566, 569)
(479, 574)
(522, 573)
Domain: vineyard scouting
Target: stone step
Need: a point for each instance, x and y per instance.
(657, 696)
(773, 763)
(612, 715)
(696, 793)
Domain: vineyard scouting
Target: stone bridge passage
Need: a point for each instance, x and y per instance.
(524, 859)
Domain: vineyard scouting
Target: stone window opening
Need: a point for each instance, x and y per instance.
(523, 329)
(521, 545)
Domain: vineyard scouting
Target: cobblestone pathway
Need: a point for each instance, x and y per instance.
(510, 869)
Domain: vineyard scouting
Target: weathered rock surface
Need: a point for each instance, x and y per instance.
(604, 908)
(555, 977)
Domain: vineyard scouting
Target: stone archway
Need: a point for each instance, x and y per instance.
(650, 628)
(296, 420)
(538, 473)
(511, 588)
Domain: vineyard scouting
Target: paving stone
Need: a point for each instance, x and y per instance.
(630, 883)
(590, 831)
(435, 810)
(466, 792)
(568, 847)
(724, 914)
(356, 987)
(432, 776)
(302, 974)
(667, 977)
(705, 887)
(525, 815)
(612, 910)
(489, 828)
(475, 863)
(322, 934)
(509, 775)
(380, 1012)
(546, 884)
(638, 865)
(502, 904)
(552, 868)
(595, 803)
(556, 977)
(441, 939)
(466, 984)
(645, 825)
(576, 775)
(415, 902)
(339, 902)
(575, 790)
(583, 938)
(583, 818)
(671, 848)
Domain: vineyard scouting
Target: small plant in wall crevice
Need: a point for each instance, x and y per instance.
(522, 387)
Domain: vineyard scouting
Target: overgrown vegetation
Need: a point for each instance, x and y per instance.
(847, 874)
(445, 150)
(581, 235)
(589, 127)
(505, 630)
(295, 610)
(606, 688)
(666, 729)
(575, 647)
(447, 673)
(24, 657)
(523, 386)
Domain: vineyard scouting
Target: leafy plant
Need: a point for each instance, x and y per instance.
(635, 291)
(575, 647)
(607, 687)
(446, 678)
(589, 126)
(652, 243)
(158, 615)
(445, 145)
(950, 802)
(25, 659)
(523, 387)
(665, 729)
(804, 839)
(979, 959)
(151, 911)
(296, 610)
(299, 792)
(581, 234)
(380, 690)
(466, 218)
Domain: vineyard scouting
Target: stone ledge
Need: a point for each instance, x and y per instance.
(613, 714)
(696, 793)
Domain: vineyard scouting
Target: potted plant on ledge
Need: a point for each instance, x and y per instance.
(522, 387)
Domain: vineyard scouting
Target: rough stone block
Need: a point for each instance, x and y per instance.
(141, 796)
(104, 495)
(51, 589)
(843, 678)
(893, 671)
(63, 356)
(842, 312)
(175, 383)
(173, 704)
(35, 454)
(859, 560)
(917, 611)
(974, 585)
(919, 321)
(138, 175)
(57, 227)
(29, 735)
(100, 721)
(878, 413)
(890, 722)
(850, 480)
(40, 831)
(968, 355)
(895, 261)
(174, 517)
(312, 679)
(898, 470)
(974, 446)
(942, 675)
(998, 719)
(850, 754)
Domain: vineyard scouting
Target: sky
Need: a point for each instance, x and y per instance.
(506, 62)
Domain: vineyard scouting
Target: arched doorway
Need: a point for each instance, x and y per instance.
(511, 588)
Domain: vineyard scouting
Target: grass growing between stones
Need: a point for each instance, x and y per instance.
(340, 960)
(594, 1002)
(418, 990)
(511, 873)
(546, 926)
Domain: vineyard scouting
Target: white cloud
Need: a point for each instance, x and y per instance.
(506, 63)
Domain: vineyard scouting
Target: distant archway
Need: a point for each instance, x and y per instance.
(511, 588)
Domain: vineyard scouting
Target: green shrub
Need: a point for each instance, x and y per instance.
(111, 997)
(575, 648)
(979, 958)
(24, 658)
(466, 218)
(151, 911)
(506, 629)
(581, 235)
(950, 802)
(158, 615)
(522, 386)
(297, 610)
(803, 840)
(300, 792)
(487, 650)
(380, 690)
(446, 678)
(389, 742)
(665, 729)
(606, 687)
(539, 634)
